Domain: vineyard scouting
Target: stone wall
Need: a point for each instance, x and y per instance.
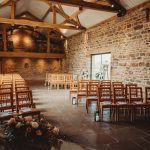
(31, 69)
(128, 40)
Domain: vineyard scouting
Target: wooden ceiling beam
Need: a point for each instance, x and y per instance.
(13, 6)
(54, 15)
(37, 24)
(31, 55)
(84, 4)
(62, 13)
(20, 16)
(46, 14)
(74, 15)
(4, 3)
(106, 3)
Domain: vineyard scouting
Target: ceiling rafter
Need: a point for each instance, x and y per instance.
(106, 3)
(54, 15)
(4, 3)
(37, 24)
(62, 13)
(70, 19)
(27, 13)
(46, 14)
(13, 9)
(84, 4)
(75, 16)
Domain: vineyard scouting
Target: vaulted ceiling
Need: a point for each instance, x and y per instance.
(72, 14)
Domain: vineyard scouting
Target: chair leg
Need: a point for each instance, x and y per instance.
(87, 105)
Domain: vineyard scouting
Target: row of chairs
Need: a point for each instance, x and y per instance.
(116, 96)
(59, 80)
(16, 98)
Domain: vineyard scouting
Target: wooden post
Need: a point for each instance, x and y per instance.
(5, 38)
(12, 15)
(48, 43)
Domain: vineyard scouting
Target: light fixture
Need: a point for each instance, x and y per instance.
(112, 5)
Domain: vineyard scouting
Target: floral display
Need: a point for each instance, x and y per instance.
(29, 130)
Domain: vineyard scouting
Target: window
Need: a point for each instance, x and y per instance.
(100, 66)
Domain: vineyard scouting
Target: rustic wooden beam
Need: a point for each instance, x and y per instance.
(4, 3)
(84, 4)
(54, 15)
(37, 24)
(63, 14)
(5, 38)
(12, 13)
(106, 3)
(75, 15)
(31, 55)
(20, 16)
(46, 14)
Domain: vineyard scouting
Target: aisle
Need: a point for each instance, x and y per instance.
(75, 122)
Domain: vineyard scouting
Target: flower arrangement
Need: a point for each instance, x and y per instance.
(29, 130)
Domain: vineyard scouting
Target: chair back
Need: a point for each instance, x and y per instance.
(120, 94)
(92, 89)
(105, 83)
(136, 94)
(24, 99)
(147, 94)
(104, 94)
(6, 101)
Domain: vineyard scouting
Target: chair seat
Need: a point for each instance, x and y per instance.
(138, 103)
(73, 90)
(27, 110)
(122, 103)
(105, 103)
(92, 97)
(82, 94)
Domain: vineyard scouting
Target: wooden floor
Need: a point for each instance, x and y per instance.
(80, 126)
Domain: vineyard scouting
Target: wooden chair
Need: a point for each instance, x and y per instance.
(105, 100)
(73, 88)
(123, 108)
(128, 86)
(25, 105)
(92, 94)
(68, 79)
(147, 101)
(6, 105)
(61, 81)
(136, 98)
(54, 81)
(82, 90)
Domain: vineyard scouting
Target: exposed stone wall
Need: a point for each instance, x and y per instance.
(128, 40)
(31, 69)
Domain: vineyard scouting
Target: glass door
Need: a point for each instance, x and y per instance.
(100, 66)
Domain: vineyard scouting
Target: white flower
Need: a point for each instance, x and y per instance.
(11, 121)
(34, 125)
(18, 125)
